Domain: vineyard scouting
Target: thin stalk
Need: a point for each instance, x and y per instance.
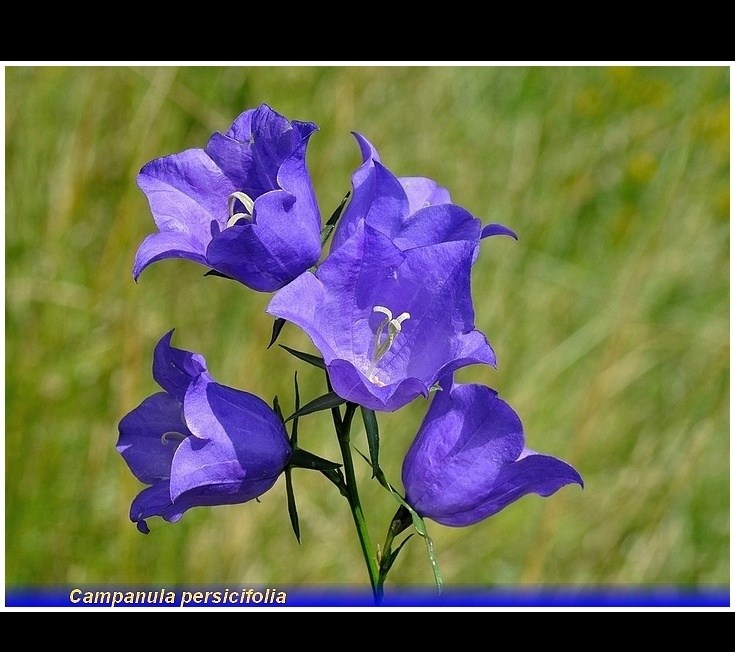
(353, 497)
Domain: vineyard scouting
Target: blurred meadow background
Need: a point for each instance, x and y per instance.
(609, 317)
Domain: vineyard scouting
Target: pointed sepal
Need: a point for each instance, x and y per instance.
(313, 360)
(278, 325)
(332, 221)
(214, 272)
(291, 501)
(371, 430)
(325, 402)
(305, 460)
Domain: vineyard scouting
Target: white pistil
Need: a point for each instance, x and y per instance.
(246, 201)
(381, 348)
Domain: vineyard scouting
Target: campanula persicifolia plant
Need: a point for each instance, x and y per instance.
(390, 313)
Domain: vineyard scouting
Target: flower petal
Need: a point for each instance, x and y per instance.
(254, 150)
(337, 309)
(437, 224)
(200, 444)
(166, 244)
(440, 336)
(187, 192)
(497, 229)
(293, 177)
(174, 369)
(152, 501)
(466, 438)
(469, 460)
(539, 474)
(255, 432)
(209, 473)
(280, 244)
(377, 197)
(239, 442)
(141, 440)
(395, 207)
(261, 161)
(423, 192)
(355, 387)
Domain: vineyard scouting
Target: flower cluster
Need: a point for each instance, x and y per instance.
(389, 309)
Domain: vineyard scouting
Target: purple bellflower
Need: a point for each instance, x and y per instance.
(388, 323)
(469, 459)
(198, 442)
(411, 211)
(243, 206)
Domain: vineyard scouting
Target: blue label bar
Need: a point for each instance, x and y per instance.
(122, 596)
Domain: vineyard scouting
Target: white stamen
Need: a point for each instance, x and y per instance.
(246, 201)
(384, 310)
(166, 437)
(402, 317)
(381, 348)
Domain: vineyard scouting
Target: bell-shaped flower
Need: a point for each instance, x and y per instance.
(388, 323)
(469, 459)
(198, 442)
(243, 206)
(411, 211)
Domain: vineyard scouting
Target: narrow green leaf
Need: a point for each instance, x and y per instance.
(291, 499)
(297, 405)
(324, 402)
(373, 437)
(305, 460)
(306, 357)
(332, 221)
(278, 325)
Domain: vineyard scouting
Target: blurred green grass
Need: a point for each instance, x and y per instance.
(610, 317)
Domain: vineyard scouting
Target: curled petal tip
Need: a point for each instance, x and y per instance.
(497, 229)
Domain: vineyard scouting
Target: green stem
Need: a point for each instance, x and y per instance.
(343, 426)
